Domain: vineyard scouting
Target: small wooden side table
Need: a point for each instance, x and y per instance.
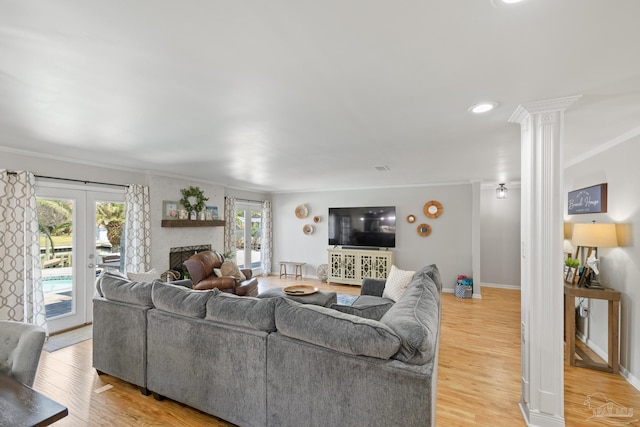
(613, 297)
(297, 272)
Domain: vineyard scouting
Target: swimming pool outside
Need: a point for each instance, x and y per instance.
(57, 280)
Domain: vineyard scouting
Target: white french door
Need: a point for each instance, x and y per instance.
(248, 235)
(69, 251)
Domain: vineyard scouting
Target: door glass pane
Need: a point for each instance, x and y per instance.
(240, 228)
(256, 233)
(109, 226)
(55, 220)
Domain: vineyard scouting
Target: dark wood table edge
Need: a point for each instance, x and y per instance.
(63, 412)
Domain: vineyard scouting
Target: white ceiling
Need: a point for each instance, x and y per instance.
(292, 95)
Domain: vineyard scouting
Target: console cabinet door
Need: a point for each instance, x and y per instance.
(381, 265)
(351, 266)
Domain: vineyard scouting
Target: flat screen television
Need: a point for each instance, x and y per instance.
(363, 227)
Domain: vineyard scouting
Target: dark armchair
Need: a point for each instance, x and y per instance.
(201, 270)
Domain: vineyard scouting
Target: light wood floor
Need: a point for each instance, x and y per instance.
(478, 374)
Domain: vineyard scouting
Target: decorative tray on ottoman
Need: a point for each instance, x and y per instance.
(300, 290)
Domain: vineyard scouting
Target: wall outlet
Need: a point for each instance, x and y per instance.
(584, 311)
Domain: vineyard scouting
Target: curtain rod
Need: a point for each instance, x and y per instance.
(248, 200)
(84, 181)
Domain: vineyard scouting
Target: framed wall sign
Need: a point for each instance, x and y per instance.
(588, 200)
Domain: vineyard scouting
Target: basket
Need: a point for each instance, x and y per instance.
(464, 287)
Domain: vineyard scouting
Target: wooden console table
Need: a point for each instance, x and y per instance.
(613, 298)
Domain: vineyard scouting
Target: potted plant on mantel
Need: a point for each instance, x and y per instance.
(193, 201)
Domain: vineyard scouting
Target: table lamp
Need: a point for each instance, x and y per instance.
(593, 236)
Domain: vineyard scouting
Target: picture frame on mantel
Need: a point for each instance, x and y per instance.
(170, 209)
(588, 200)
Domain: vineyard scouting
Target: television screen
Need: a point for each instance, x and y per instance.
(363, 226)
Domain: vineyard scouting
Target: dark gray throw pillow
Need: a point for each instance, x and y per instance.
(366, 306)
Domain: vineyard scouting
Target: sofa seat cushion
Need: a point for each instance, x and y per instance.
(181, 300)
(415, 318)
(335, 330)
(247, 312)
(367, 306)
(116, 287)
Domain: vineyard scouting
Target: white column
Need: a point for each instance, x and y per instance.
(475, 239)
(542, 399)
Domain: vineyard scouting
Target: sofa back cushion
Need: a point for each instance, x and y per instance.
(247, 312)
(116, 287)
(335, 330)
(415, 318)
(181, 300)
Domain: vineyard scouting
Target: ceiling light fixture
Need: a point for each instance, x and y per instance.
(501, 192)
(482, 107)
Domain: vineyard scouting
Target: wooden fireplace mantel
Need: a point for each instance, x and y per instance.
(192, 223)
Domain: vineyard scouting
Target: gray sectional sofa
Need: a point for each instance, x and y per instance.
(273, 361)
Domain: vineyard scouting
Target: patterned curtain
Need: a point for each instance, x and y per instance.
(21, 295)
(266, 239)
(138, 229)
(229, 224)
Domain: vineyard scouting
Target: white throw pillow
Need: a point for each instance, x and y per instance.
(146, 277)
(397, 282)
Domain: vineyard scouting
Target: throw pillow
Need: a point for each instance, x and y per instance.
(397, 282)
(146, 277)
(229, 268)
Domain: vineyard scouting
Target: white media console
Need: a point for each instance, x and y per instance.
(350, 266)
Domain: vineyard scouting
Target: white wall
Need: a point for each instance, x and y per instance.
(162, 238)
(500, 238)
(619, 267)
(448, 246)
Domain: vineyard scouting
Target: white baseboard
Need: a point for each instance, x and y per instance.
(597, 350)
(624, 373)
(452, 291)
(634, 381)
(501, 286)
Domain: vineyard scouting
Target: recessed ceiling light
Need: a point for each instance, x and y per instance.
(504, 3)
(482, 107)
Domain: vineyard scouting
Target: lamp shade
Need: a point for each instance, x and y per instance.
(595, 235)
